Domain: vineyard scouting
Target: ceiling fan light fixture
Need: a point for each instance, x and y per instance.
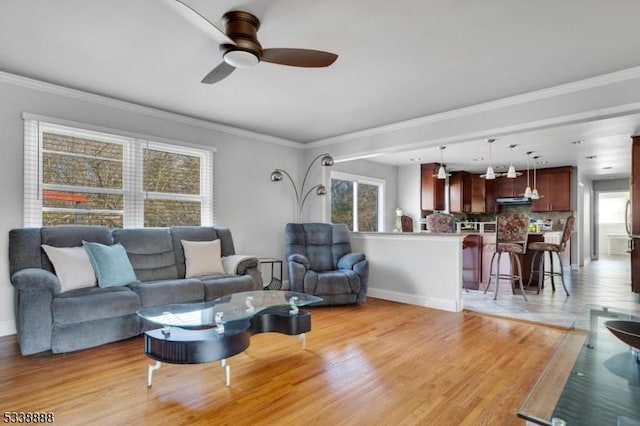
(241, 58)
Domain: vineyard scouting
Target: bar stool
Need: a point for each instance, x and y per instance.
(512, 230)
(540, 248)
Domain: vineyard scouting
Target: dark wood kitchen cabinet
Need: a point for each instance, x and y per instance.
(472, 261)
(478, 194)
(460, 192)
(491, 193)
(554, 186)
(512, 187)
(432, 188)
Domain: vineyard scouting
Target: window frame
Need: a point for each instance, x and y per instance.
(132, 168)
(360, 179)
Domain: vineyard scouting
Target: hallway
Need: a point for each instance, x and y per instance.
(604, 282)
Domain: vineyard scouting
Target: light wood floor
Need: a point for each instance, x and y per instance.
(605, 282)
(383, 363)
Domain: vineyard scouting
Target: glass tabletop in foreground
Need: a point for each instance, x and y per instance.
(233, 307)
(592, 379)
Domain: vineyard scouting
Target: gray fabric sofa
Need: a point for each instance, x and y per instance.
(48, 319)
(321, 263)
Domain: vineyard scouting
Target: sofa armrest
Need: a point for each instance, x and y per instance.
(349, 260)
(301, 259)
(35, 279)
(35, 289)
(238, 264)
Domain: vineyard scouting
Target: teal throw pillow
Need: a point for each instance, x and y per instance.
(110, 263)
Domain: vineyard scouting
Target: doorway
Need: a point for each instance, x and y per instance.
(612, 238)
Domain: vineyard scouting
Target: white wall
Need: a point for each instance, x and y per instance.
(409, 188)
(255, 209)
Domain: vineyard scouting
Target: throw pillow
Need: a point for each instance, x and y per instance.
(72, 266)
(110, 263)
(202, 258)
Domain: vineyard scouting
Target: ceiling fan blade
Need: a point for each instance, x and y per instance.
(298, 57)
(199, 21)
(218, 73)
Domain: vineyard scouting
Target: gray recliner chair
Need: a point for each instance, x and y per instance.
(321, 263)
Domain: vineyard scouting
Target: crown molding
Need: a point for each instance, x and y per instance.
(81, 95)
(563, 89)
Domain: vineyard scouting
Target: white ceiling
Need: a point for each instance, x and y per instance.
(397, 61)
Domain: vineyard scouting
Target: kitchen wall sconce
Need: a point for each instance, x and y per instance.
(278, 174)
(490, 173)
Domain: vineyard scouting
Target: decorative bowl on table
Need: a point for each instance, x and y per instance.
(627, 331)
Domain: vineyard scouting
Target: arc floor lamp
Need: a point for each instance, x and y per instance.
(301, 196)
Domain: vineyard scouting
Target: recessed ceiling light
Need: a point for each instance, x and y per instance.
(478, 159)
(414, 159)
(591, 157)
(577, 142)
(607, 168)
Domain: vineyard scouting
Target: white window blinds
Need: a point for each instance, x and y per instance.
(80, 176)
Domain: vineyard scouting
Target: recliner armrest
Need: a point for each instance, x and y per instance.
(35, 279)
(298, 258)
(348, 260)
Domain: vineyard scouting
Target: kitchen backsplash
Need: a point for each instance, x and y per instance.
(558, 218)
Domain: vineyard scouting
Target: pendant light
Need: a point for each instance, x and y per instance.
(490, 173)
(528, 192)
(511, 173)
(442, 173)
(534, 193)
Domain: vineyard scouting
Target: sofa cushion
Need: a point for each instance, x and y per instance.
(202, 258)
(150, 251)
(110, 263)
(93, 303)
(164, 292)
(219, 285)
(72, 266)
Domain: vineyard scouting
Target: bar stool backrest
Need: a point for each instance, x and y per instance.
(441, 223)
(568, 230)
(512, 228)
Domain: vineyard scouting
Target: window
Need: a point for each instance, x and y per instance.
(76, 176)
(357, 202)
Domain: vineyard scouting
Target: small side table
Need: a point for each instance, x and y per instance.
(276, 282)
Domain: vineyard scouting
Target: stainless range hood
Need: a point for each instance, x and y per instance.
(513, 200)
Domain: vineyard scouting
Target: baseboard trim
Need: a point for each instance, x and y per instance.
(414, 299)
(7, 328)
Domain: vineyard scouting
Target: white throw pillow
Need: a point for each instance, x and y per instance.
(72, 266)
(202, 258)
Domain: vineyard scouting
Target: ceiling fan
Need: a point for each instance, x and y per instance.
(241, 48)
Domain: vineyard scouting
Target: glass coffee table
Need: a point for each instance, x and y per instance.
(592, 379)
(194, 333)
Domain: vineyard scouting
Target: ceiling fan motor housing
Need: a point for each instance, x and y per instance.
(242, 27)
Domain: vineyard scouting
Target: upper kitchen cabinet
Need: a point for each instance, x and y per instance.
(478, 195)
(460, 192)
(491, 193)
(432, 188)
(511, 187)
(554, 187)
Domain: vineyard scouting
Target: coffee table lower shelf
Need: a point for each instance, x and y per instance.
(177, 345)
